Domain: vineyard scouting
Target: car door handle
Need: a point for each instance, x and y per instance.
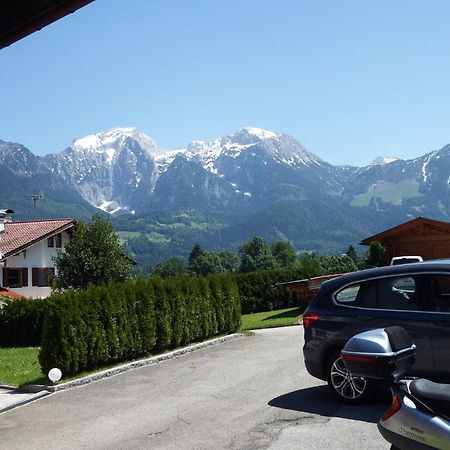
(366, 318)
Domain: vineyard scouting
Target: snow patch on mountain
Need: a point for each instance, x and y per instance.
(109, 142)
(425, 164)
(252, 133)
(384, 160)
(109, 207)
(253, 141)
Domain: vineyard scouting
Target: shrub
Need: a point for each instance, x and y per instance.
(258, 291)
(21, 322)
(106, 324)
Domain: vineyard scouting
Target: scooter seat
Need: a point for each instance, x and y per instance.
(434, 395)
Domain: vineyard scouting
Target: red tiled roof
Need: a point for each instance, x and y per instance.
(9, 294)
(19, 235)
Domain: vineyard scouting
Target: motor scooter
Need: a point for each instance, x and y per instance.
(419, 415)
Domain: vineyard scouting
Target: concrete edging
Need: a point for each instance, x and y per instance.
(15, 404)
(128, 366)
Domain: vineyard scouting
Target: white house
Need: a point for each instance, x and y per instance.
(27, 250)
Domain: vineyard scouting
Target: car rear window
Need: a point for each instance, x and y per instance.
(348, 295)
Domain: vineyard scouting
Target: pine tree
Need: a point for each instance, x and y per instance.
(351, 253)
(196, 252)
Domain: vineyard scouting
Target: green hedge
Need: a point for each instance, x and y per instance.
(21, 322)
(258, 291)
(104, 325)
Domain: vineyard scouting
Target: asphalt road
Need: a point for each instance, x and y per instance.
(252, 392)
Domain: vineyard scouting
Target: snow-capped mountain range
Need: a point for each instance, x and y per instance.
(125, 170)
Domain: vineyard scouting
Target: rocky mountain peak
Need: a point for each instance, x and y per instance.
(251, 135)
(112, 141)
(384, 160)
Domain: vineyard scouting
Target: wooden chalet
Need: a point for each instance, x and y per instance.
(424, 237)
(304, 290)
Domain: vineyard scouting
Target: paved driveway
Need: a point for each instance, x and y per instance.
(248, 393)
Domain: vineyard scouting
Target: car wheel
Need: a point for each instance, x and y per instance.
(346, 387)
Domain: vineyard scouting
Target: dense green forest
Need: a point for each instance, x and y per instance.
(309, 226)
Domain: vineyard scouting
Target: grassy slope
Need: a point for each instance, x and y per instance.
(19, 366)
(269, 319)
(389, 192)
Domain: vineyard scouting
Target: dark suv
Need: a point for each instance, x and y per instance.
(415, 296)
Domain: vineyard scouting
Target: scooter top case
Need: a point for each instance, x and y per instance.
(382, 354)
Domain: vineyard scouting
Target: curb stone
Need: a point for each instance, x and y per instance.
(128, 366)
(23, 401)
(7, 386)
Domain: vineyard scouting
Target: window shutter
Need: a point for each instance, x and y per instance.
(34, 276)
(6, 277)
(24, 276)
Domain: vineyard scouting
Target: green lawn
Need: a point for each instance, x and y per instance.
(269, 319)
(19, 366)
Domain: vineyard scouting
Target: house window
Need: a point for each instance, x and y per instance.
(15, 277)
(55, 241)
(42, 276)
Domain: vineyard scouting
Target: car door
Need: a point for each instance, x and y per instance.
(439, 323)
(398, 300)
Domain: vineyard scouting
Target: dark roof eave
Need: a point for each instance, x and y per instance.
(24, 28)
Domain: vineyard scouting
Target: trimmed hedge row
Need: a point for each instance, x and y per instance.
(103, 325)
(21, 322)
(258, 291)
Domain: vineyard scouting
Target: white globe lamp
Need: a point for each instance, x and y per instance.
(54, 375)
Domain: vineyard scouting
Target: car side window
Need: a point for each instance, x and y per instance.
(348, 295)
(440, 293)
(398, 293)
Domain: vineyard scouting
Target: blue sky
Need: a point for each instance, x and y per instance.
(350, 79)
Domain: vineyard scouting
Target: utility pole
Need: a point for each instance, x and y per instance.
(35, 198)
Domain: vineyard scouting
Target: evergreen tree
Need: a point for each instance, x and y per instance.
(196, 252)
(351, 253)
(94, 256)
